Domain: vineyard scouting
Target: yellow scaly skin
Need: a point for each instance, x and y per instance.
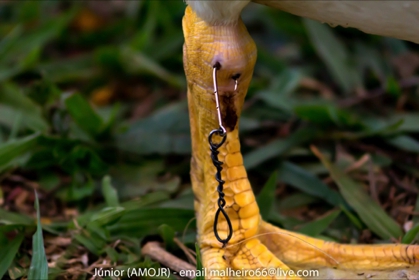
(255, 243)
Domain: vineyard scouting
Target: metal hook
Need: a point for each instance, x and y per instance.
(217, 102)
(236, 82)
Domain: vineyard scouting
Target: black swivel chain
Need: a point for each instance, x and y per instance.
(221, 201)
(221, 131)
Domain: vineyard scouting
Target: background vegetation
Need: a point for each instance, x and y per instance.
(93, 118)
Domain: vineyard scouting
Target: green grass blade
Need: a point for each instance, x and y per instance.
(278, 96)
(9, 250)
(39, 264)
(410, 236)
(266, 197)
(324, 113)
(199, 266)
(140, 222)
(7, 42)
(108, 215)
(316, 227)
(79, 68)
(277, 147)
(137, 63)
(91, 243)
(84, 115)
(164, 132)
(353, 218)
(168, 235)
(368, 210)
(409, 121)
(296, 200)
(404, 142)
(301, 179)
(23, 51)
(334, 54)
(12, 150)
(10, 218)
(14, 104)
(109, 192)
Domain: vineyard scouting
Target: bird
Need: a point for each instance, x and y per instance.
(219, 56)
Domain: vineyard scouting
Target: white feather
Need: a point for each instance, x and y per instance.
(394, 18)
(218, 12)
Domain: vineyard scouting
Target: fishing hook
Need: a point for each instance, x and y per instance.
(217, 101)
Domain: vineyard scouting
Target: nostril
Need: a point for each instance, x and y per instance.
(217, 65)
(236, 76)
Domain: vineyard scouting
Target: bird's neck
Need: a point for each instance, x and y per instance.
(216, 12)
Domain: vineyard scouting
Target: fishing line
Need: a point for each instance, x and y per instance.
(186, 228)
(287, 234)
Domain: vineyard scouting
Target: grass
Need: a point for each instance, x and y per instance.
(93, 117)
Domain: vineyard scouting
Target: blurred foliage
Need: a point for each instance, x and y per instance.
(93, 116)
